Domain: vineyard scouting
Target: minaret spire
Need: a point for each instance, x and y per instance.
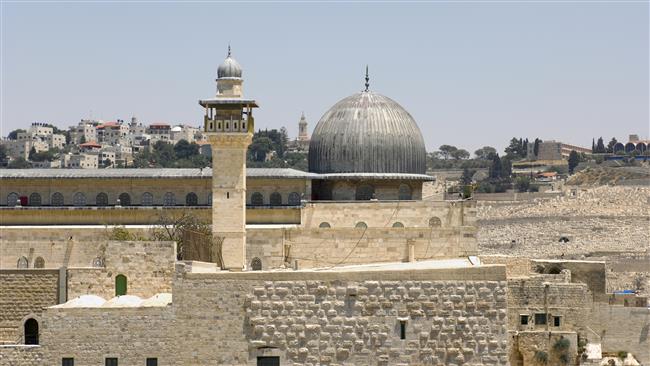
(367, 79)
(228, 49)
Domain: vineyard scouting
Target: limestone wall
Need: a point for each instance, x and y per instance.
(542, 294)
(20, 355)
(24, 292)
(340, 246)
(131, 334)
(148, 267)
(451, 316)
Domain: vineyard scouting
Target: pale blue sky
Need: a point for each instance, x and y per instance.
(471, 74)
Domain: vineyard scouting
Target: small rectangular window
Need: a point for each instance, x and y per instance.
(402, 330)
(556, 321)
(111, 361)
(268, 361)
(540, 319)
(67, 361)
(152, 361)
(523, 319)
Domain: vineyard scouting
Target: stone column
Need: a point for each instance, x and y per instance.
(229, 195)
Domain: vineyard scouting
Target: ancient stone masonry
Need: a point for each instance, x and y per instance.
(318, 322)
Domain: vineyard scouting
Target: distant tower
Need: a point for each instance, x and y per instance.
(302, 129)
(229, 126)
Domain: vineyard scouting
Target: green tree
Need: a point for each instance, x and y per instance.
(13, 135)
(515, 149)
(164, 154)
(447, 150)
(460, 154)
(522, 184)
(496, 168)
(32, 153)
(185, 150)
(536, 146)
(600, 146)
(259, 148)
(82, 140)
(574, 159)
(611, 145)
(19, 163)
(466, 178)
(486, 152)
(3, 153)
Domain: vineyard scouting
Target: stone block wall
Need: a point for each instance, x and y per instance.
(345, 246)
(89, 335)
(22, 293)
(147, 265)
(20, 355)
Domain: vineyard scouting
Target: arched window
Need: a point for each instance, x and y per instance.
(629, 147)
(405, 192)
(34, 199)
(398, 224)
(12, 199)
(79, 199)
(257, 199)
(57, 199)
(98, 262)
(22, 263)
(31, 331)
(147, 199)
(191, 199)
(294, 199)
(641, 147)
(619, 147)
(125, 199)
(169, 199)
(256, 264)
(365, 192)
(324, 225)
(39, 262)
(120, 285)
(102, 199)
(435, 222)
(361, 225)
(276, 199)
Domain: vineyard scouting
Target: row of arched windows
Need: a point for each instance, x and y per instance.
(433, 222)
(275, 199)
(79, 199)
(23, 263)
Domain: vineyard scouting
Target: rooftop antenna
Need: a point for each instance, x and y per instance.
(367, 79)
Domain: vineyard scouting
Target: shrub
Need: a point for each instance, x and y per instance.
(562, 345)
(622, 355)
(541, 357)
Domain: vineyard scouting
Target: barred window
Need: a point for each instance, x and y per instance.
(147, 199)
(57, 199)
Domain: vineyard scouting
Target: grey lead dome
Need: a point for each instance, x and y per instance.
(229, 68)
(367, 133)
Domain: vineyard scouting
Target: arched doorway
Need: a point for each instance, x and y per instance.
(31, 331)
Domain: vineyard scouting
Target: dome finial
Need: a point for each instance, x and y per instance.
(228, 49)
(367, 79)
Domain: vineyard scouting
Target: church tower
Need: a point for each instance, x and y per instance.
(302, 128)
(229, 125)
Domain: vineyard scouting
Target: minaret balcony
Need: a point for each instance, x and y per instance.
(231, 125)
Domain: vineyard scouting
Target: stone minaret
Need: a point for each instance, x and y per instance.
(229, 125)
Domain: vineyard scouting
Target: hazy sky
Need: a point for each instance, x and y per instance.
(471, 74)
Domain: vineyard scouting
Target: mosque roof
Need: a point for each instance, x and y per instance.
(251, 173)
(229, 68)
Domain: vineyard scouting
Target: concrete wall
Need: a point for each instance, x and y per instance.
(623, 329)
(24, 292)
